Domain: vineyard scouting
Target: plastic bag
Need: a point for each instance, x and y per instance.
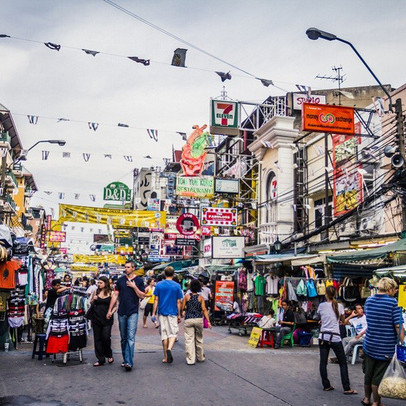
(393, 384)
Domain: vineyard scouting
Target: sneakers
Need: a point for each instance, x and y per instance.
(128, 368)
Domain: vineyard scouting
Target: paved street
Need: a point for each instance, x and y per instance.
(234, 374)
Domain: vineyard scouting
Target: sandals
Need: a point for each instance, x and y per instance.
(97, 364)
(328, 389)
(169, 356)
(351, 392)
(111, 360)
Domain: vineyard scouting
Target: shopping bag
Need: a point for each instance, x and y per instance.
(144, 302)
(393, 384)
(401, 352)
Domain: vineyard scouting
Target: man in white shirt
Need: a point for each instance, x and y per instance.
(358, 321)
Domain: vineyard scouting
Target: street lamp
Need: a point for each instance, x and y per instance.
(277, 246)
(315, 33)
(22, 157)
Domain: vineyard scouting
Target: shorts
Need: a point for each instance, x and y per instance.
(374, 370)
(168, 326)
(148, 309)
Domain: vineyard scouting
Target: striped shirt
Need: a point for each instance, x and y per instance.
(383, 314)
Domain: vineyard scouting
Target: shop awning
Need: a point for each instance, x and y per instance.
(300, 259)
(368, 255)
(399, 271)
(177, 265)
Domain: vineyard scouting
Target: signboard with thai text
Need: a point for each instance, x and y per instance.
(224, 295)
(326, 118)
(219, 216)
(227, 186)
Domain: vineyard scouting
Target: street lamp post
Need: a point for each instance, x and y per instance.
(398, 160)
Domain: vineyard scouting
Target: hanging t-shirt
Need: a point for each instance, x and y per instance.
(259, 283)
(7, 274)
(250, 282)
(272, 285)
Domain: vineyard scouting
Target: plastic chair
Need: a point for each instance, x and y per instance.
(350, 330)
(266, 338)
(355, 353)
(39, 339)
(288, 337)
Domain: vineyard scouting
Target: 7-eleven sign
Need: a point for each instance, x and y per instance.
(224, 113)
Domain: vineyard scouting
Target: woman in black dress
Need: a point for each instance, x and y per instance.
(101, 325)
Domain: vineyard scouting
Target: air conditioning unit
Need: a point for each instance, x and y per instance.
(347, 228)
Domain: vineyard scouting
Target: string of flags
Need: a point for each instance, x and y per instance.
(178, 60)
(87, 155)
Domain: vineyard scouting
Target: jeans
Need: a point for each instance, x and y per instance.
(349, 344)
(281, 333)
(194, 340)
(128, 328)
(342, 360)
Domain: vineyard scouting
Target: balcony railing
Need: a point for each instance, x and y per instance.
(10, 201)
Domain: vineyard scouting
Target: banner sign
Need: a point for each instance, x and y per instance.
(43, 236)
(326, 118)
(49, 222)
(255, 336)
(228, 247)
(189, 242)
(117, 191)
(173, 250)
(153, 204)
(218, 216)
(57, 236)
(187, 224)
(99, 259)
(347, 180)
(402, 296)
(198, 186)
(224, 295)
(118, 218)
(207, 246)
(224, 113)
(226, 186)
(300, 98)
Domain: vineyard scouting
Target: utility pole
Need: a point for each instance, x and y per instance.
(401, 143)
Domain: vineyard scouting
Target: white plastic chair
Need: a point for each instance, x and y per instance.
(355, 353)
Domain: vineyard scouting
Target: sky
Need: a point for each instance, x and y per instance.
(265, 38)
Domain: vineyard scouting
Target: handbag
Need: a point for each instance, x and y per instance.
(144, 302)
(90, 314)
(205, 323)
(349, 292)
(365, 291)
(301, 289)
(311, 289)
(393, 384)
(300, 316)
(321, 288)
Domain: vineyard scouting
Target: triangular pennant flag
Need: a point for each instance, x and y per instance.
(183, 135)
(147, 157)
(92, 198)
(51, 45)
(108, 156)
(33, 119)
(266, 82)
(128, 158)
(61, 196)
(93, 126)
(153, 134)
(90, 52)
(224, 76)
(86, 156)
(179, 57)
(45, 155)
(145, 62)
(122, 125)
(65, 154)
(62, 119)
(77, 196)
(48, 192)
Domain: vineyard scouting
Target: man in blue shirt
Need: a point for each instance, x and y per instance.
(384, 321)
(168, 300)
(129, 289)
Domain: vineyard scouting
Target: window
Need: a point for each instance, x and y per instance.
(319, 207)
(271, 197)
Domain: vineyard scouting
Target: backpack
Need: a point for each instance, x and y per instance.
(311, 289)
(301, 289)
(348, 291)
